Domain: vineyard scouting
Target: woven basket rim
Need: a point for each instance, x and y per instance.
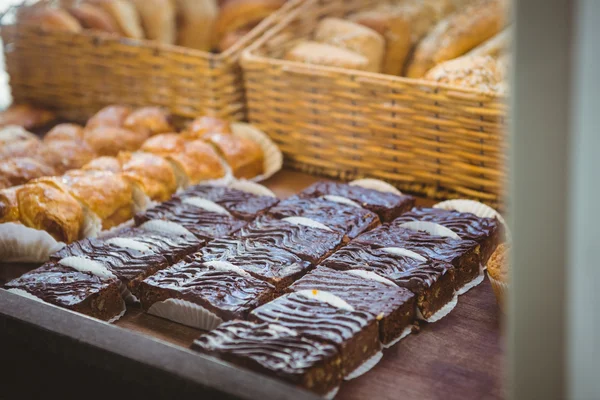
(249, 55)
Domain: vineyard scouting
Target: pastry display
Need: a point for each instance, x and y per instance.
(20, 170)
(274, 350)
(149, 121)
(26, 116)
(207, 25)
(245, 157)
(394, 308)
(327, 318)
(205, 124)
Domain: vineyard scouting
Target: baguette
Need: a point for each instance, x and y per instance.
(457, 34)
(158, 19)
(126, 16)
(354, 37)
(196, 21)
(94, 17)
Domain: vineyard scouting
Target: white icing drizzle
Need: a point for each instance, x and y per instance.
(227, 267)
(431, 228)
(341, 200)
(307, 222)
(129, 244)
(375, 184)
(252, 188)
(326, 297)
(23, 293)
(371, 275)
(404, 252)
(84, 265)
(157, 225)
(282, 329)
(205, 204)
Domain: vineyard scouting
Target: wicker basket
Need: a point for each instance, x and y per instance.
(77, 74)
(424, 137)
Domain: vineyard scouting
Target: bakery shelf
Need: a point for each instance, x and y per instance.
(458, 357)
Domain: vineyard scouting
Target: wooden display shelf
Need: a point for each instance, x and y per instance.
(459, 357)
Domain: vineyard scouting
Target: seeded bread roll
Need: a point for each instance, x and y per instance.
(457, 34)
(328, 55)
(196, 21)
(494, 47)
(354, 37)
(158, 19)
(481, 73)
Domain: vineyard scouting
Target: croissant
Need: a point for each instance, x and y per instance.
(245, 157)
(149, 120)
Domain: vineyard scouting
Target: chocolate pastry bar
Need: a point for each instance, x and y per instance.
(344, 218)
(129, 264)
(431, 281)
(173, 247)
(98, 297)
(464, 255)
(276, 351)
(387, 206)
(202, 222)
(224, 290)
(485, 231)
(308, 243)
(394, 306)
(265, 262)
(354, 333)
(240, 204)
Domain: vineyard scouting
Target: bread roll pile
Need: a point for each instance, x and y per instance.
(456, 42)
(208, 25)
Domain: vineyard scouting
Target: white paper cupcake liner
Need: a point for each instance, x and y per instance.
(272, 154)
(364, 367)
(474, 207)
(376, 184)
(141, 201)
(475, 282)
(22, 244)
(441, 313)
(331, 394)
(251, 187)
(407, 331)
(431, 228)
(186, 313)
(118, 316)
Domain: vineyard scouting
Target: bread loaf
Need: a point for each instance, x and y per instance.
(494, 47)
(328, 55)
(158, 19)
(92, 16)
(196, 21)
(457, 34)
(126, 16)
(480, 73)
(51, 19)
(354, 37)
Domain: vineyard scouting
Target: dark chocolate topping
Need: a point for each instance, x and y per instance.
(308, 243)
(127, 264)
(466, 225)
(433, 247)
(226, 293)
(367, 198)
(272, 347)
(313, 318)
(344, 218)
(240, 204)
(362, 294)
(262, 261)
(202, 223)
(171, 246)
(404, 271)
(60, 285)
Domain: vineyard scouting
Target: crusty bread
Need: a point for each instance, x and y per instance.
(92, 16)
(126, 16)
(196, 21)
(457, 34)
(158, 19)
(51, 19)
(494, 47)
(326, 54)
(354, 37)
(481, 73)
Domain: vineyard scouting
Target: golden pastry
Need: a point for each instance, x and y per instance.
(17, 142)
(149, 120)
(198, 162)
(206, 124)
(25, 115)
(106, 163)
(109, 141)
(354, 37)
(20, 170)
(245, 157)
(164, 144)
(46, 207)
(151, 173)
(4, 183)
(457, 34)
(112, 116)
(65, 155)
(9, 206)
(62, 132)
